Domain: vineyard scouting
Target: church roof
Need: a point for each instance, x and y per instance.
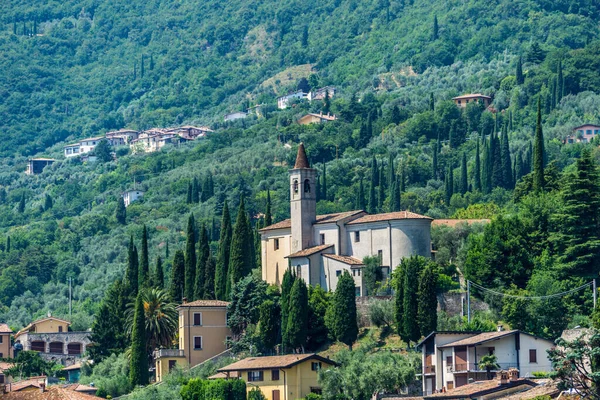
(310, 251)
(344, 259)
(321, 219)
(301, 160)
(388, 217)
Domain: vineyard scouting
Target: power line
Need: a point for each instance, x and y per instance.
(496, 293)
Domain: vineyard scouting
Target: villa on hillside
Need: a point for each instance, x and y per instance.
(152, 140)
(54, 341)
(283, 101)
(464, 100)
(321, 247)
(583, 134)
(203, 334)
(316, 118)
(129, 196)
(452, 359)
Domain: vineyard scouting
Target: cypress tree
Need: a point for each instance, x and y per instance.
(372, 204)
(209, 277)
(391, 174)
(431, 102)
(177, 281)
(477, 171)
(464, 183)
(529, 167)
(159, 274)
(381, 193)
(47, 202)
(138, 363)
(7, 248)
(486, 176)
(297, 319)
(222, 265)
(427, 300)
(131, 275)
(410, 291)
(560, 81)
(202, 258)
(374, 171)
(435, 32)
(538, 154)
(121, 212)
(144, 270)
(190, 258)
(21, 207)
(190, 191)
(167, 249)
(341, 318)
(195, 191)
(151, 66)
(436, 150)
(286, 288)
(398, 281)
(518, 167)
(142, 67)
(396, 117)
(506, 161)
(497, 172)
(402, 179)
(519, 73)
(240, 257)
(395, 199)
(269, 322)
(268, 217)
(324, 184)
(361, 196)
(449, 184)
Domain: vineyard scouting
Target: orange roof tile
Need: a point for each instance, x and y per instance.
(287, 361)
(205, 303)
(4, 328)
(310, 251)
(345, 259)
(321, 219)
(51, 393)
(388, 217)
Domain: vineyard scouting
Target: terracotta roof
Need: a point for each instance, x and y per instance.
(301, 160)
(345, 259)
(51, 393)
(4, 328)
(73, 367)
(545, 387)
(205, 303)
(481, 338)
(454, 222)
(5, 365)
(223, 375)
(581, 126)
(478, 389)
(322, 116)
(287, 361)
(388, 217)
(310, 251)
(321, 219)
(470, 96)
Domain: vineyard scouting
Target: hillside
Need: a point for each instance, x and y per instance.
(75, 77)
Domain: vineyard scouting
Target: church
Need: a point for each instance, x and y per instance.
(320, 247)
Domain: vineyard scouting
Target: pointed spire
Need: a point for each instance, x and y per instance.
(301, 160)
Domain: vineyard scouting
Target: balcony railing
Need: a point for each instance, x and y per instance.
(464, 367)
(429, 369)
(168, 353)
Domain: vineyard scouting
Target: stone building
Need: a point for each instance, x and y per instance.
(54, 341)
(320, 247)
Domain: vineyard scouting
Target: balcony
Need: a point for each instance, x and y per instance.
(429, 369)
(168, 353)
(474, 367)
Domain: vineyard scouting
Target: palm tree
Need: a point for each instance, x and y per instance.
(161, 318)
(489, 362)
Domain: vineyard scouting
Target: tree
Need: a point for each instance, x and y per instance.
(102, 151)
(506, 161)
(464, 183)
(256, 394)
(371, 275)
(177, 281)
(360, 201)
(303, 85)
(324, 183)
(519, 73)
(138, 364)
(209, 277)
(488, 362)
(341, 318)
(538, 153)
(406, 281)
(120, 212)
(297, 327)
(269, 323)
(47, 202)
(435, 33)
(286, 288)
(203, 256)
(535, 53)
(21, 207)
(427, 300)
(477, 170)
(30, 363)
(318, 302)
(381, 191)
(434, 162)
(190, 258)
(449, 186)
(240, 258)
(396, 117)
(131, 275)
(158, 280)
(326, 103)
(268, 217)
(223, 255)
(195, 190)
(431, 102)
(144, 270)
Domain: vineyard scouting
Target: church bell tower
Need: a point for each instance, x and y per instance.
(303, 201)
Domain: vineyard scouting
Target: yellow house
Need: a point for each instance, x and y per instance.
(203, 334)
(288, 377)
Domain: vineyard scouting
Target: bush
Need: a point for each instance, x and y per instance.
(381, 313)
(256, 394)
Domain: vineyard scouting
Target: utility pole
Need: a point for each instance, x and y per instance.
(468, 301)
(595, 292)
(70, 298)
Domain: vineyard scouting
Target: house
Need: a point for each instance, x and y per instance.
(152, 140)
(462, 101)
(320, 247)
(451, 359)
(283, 101)
(88, 145)
(583, 134)
(3, 378)
(190, 132)
(36, 165)
(5, 347)
(122, 136)
(36, 389)
(54, 341)
(319, 94)
(291, 376)
(132, 195)
(235, 115)
(71, 150)
(73, 373)
(203, 334)
(316, 118)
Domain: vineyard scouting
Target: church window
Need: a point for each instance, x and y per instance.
(306, 186)
(357, 236)
(276, 244)
(322, 238)
(295, 186)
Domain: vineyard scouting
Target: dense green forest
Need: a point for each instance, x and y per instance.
(80, 68)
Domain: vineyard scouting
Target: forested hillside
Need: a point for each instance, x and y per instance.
(80, 68)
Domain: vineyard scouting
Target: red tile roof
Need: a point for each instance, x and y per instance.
(310, 251)
(321, 219)
(301, 160)
(287, 361)
(51, 393)
(345, 259)
(4, 328)
(481, 338)
(479, 389)
(205, 303)
(388, 217)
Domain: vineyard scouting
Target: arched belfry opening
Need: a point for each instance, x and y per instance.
(306, 186)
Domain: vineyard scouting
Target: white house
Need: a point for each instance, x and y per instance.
(85, 146)
(132, 195)
(283, 101)
(451, 359)
(321, 247)
(319, 94)
(152, 140)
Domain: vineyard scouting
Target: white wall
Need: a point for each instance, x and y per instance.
(543, 362)
(331, 235)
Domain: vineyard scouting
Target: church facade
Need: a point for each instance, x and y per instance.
(320, 247)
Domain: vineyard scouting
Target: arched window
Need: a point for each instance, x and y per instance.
(295, 186)
(306, 186)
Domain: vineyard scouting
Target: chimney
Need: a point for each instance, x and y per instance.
(184, 300)
(500, 328)
(503, 378)
(42, 387)
(513, 374)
